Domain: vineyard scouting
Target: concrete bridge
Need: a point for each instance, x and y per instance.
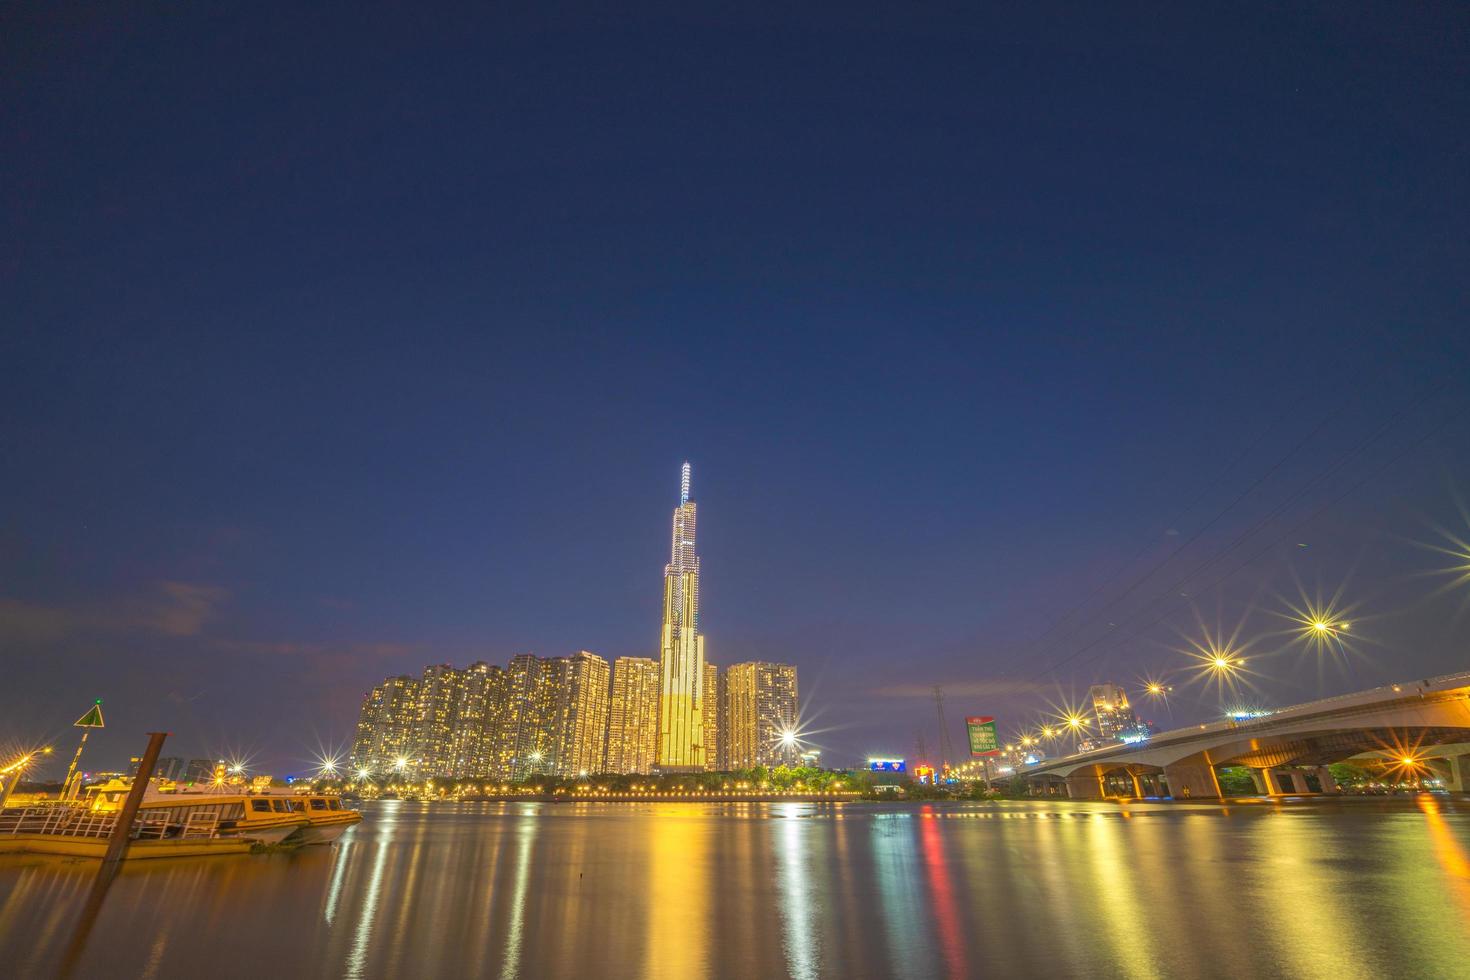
(1425, 724)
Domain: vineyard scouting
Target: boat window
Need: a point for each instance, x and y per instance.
(281, 806)
(261, 806)
(318, 804)
(334, 804)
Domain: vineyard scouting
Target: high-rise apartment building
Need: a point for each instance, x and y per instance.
(632, 731)
(581, 715)
(722, 721)
(1113, 713)
(711, 712)
(537, 716)
(440, 692)
(681, 648)
(529, 730)
(477, 723)
(761, 704)
(387, 739)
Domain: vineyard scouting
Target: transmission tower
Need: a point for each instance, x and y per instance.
(946, 749)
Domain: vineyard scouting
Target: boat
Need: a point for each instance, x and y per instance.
(327, 818)
(74, 829)
(254, 818)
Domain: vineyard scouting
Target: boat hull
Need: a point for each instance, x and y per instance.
(267, 835)
(96, 847)
(323, 832)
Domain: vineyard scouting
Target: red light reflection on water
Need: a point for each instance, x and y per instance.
(951, 939)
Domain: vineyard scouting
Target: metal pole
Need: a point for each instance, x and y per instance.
(117, 846)
(10, 786)
(66, 786)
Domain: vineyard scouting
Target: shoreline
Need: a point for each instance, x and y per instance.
(1196, 803)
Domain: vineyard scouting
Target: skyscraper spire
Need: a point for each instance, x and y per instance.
(681, 648)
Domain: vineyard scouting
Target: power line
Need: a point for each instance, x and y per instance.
(1158, 566)
(1255, 555)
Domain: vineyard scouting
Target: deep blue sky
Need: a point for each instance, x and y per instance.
(338, 342)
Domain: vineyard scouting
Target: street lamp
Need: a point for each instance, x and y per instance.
(10, 775)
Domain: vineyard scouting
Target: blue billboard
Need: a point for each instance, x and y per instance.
(886, 765)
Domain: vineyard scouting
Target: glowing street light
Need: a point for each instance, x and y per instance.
(11, 775)
(1157, 689)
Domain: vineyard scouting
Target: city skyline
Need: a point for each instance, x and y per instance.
(1007, 379)
(580, 715)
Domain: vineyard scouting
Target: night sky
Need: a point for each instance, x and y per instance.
(1011, 351)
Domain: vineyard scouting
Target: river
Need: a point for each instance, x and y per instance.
(610, 890)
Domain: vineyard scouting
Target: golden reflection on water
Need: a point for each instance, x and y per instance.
(1450, 854)
(1304, 896)
(1114, 888)
(700, 890)
(525, 839)
(677, 930)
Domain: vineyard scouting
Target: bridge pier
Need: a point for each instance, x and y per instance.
(1459, 774)
(1329, 785)
(1192, 780)
(1085, 784)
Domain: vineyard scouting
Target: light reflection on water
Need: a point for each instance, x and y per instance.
(789, 889)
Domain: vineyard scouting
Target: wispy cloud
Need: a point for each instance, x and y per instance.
(291, 648)
(170, 608)
(965, 689)
(187, 608)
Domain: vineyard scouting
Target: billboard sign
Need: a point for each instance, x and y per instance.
(982, 736)
(886, 765)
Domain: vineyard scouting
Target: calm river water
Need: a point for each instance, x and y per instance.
(1361, 889)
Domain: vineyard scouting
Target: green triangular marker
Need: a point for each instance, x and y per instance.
(93, 717)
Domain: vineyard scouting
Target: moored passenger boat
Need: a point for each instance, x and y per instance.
(259, 819)
(76, 830)
(327, 818)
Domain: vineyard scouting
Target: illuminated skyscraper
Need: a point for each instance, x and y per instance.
(632, 730)
(581, 715)
(761, 703)
(1114, 715)
(681, 649)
